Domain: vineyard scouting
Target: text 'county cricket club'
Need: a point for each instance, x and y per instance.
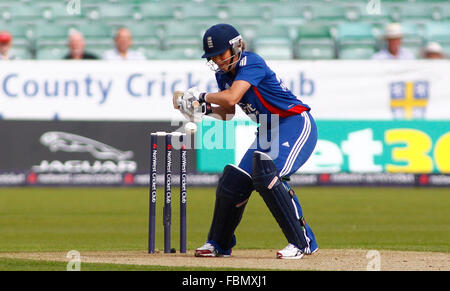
(167, 208)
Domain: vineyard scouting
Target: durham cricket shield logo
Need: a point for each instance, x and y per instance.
(409, 99)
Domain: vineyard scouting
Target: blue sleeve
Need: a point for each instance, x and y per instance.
(252, 70)
(219, 82)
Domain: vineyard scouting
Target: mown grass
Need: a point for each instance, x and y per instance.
(63, 219)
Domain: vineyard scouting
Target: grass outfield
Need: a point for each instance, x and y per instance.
(32, 265)
(63, 219)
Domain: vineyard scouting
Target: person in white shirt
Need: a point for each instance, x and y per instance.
(123, 41)
(393, 50)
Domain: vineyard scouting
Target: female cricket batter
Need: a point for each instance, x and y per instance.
(278, 151)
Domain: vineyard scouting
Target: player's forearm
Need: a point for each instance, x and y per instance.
(222, 113)
(225, 99)
(230, 97)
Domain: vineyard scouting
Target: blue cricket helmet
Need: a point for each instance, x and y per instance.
(218, 38)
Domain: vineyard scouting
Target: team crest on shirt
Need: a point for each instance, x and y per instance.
(248, 108)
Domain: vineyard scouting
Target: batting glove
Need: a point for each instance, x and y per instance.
(195, 92)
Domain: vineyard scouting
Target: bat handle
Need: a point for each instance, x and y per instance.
(176, 95)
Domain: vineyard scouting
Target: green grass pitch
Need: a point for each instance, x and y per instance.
(63, 219)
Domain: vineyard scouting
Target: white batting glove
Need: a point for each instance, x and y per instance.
(195, 92)
(191, 104)
(188, 105)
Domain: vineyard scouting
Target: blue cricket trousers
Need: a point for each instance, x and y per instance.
(289, 145)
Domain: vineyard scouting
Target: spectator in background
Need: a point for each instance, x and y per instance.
(76, 46)
(123, 41)
(393, 51)
(5, 46)
(433, 50)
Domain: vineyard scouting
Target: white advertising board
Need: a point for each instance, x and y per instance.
(142, 91)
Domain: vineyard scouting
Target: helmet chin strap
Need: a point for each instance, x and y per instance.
(230, 65)
(216, 68)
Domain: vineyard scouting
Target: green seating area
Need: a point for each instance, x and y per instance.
(276, 29)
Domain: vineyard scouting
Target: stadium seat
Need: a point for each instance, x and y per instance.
(325, 12)
(444, 11)
(156, 12)
(418, 12)
(175, 25)
(446, 48)
(412, 29)
(146, 34)
(273, 42)
(286, 14)
(355, 41)
(355, 33)
(356, 52)
(275, 51)
(315, 51)
(120, 2)
(21, 52)
(153, 53)
(274, 33)
(46, 2)
(200, 13)
(182, 35)
(51, 52)
(437, 31)
(314, 41)
(97, 34)
(314, 31)
(48, 35)
(56, 12)
(25, 14)
(265, 1)
(381, 17)
(180, 54)
(248, 14)
(112, 13)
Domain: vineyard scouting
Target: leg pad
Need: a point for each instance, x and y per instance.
(232, 194)
(278, 199)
